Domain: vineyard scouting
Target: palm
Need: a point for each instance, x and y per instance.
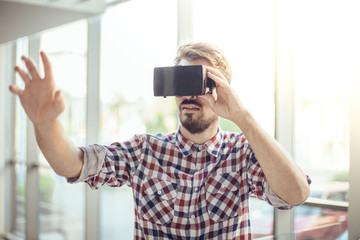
(41, 102)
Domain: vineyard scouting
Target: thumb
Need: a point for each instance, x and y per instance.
(58, 102)
(209, 98)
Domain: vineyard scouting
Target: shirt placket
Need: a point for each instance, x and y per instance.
(194, 218)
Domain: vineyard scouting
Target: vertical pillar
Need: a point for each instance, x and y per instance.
(185, 21)
(32, 199)
(93, 119)
(284, 99)
(354, 176)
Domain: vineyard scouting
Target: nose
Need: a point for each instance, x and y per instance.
(191, 97)
(181, 99)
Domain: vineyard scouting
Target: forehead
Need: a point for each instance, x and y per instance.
(185, 62)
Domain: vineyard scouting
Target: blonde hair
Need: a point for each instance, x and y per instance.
(213, 54)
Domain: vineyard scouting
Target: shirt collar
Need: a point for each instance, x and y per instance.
(187, 147)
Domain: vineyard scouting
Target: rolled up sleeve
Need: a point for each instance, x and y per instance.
(94, 156)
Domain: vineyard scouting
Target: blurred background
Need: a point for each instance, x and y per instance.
(295, 66)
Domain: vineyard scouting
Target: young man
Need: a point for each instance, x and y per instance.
(191, 184)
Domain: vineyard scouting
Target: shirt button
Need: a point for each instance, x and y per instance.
(193, 217)
(196, 189)
(159, 192)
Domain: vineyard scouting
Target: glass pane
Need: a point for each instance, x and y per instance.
(321, 101)
(317, 223)
(322, 53)
(137, 36)
(20, 199)
(261, 217)
(20, 146)
(245, 31)
(62, 205)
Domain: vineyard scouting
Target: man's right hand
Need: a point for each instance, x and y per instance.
(40, 99)
(43, 104)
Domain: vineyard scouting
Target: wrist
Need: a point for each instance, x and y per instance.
(47, 127)
(242, 117)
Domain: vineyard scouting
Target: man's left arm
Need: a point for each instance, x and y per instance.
(282, 174)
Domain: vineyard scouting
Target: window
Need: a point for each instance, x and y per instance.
(321, 55)
(62, 205)
(136, 37)
(139, 35)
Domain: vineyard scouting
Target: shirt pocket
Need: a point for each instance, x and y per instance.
(223, 197)
(157, 200)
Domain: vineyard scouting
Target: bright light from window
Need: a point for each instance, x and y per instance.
(137, 36)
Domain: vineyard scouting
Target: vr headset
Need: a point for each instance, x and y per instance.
(179, 80)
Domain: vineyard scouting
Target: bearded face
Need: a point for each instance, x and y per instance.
(193, 115)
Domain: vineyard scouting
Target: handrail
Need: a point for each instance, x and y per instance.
(329, 204)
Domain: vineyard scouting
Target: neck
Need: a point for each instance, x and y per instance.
(203, 137)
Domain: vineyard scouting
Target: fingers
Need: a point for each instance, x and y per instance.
(25, 77)
(32, 70)
(218, 77)
(47, 64)
(14, 89)
(210, 98)
(31, 67)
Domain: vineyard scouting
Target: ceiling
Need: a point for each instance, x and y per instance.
(21, 18)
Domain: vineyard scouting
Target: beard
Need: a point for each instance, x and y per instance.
(195, 123)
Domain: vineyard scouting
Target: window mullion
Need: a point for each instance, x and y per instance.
(32, 203)
(284, 100)
(354, 176)
(7, 113)
(10, 174)
(185, 21)
(93, 119)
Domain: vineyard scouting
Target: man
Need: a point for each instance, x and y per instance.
(191, 184)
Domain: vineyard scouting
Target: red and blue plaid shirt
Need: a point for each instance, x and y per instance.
(183, 190)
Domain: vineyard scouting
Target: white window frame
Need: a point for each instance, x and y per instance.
(92, 222)
(354, 176)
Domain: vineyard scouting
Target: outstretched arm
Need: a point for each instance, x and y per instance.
(43, 104)
(281, 172)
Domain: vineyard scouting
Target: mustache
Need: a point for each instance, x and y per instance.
(190, 101)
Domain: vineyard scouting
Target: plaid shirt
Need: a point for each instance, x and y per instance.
(183, 190)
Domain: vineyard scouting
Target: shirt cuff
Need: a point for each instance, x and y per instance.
(94, 156)
(275, 200)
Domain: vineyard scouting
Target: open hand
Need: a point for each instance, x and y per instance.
(40, 99)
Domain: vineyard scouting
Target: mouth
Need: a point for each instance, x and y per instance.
(190, 108)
